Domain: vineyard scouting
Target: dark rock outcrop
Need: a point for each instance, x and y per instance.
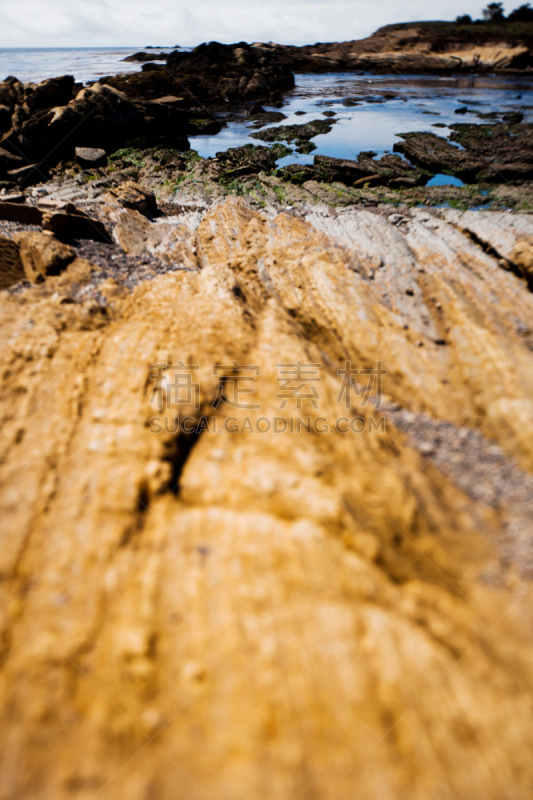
(492, 153)
(301, 134)
(98, 117)
(250, 159)
(212, 73)
(436, 154)
(507, 150)
(389, 171)
(91, 157)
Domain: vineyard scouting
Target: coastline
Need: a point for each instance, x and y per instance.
(215, 584)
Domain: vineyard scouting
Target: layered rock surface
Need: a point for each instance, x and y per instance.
(271, 614)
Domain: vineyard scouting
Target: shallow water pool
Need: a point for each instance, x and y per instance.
(371, 110)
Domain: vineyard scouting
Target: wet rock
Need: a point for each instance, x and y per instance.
(42, 254)
(144, 57)
(299, 173)
(388, 171)
(99, 115)
(250, 159)
(437, 155)
(462, 110)
(203, 126)
(164, 124)
(306, 147)
(262, 117)
(505, 150)
(150, 67)
(513, 117)
(295, 133)
(88, 157)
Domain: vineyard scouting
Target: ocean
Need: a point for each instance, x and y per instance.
(32, 64)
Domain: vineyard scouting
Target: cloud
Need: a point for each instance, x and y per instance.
(137, 23)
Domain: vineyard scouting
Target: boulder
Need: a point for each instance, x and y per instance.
(203, 126)
(42, 254)
(100, 116)
(513, 117)
(11, 269)
(132, 195)
(48, 94)
(11, 92)
(164, 123)
(522, 256)
(170, 100)
(20, 212)
(262, 117)
(88, 157)
(75, 226)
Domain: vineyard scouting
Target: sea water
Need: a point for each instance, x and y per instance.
(381, 106)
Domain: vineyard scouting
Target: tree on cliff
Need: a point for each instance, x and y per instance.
(493, 12)
(522, 14)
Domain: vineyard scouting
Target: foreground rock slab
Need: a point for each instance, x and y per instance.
(264, 614)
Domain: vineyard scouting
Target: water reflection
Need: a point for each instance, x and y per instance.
(372, 109)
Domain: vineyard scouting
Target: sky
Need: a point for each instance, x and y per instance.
(166, 23)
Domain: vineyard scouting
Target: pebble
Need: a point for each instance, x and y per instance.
(395, 219)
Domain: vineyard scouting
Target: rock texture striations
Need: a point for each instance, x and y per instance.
(264, 614)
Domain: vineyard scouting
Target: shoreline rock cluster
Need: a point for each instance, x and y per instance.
(43, 124)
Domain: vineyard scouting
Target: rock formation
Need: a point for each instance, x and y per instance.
(418, 47)
(259, 613)
(212, 73)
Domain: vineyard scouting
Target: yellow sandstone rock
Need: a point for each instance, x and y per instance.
(259, 614)
(42, 254)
